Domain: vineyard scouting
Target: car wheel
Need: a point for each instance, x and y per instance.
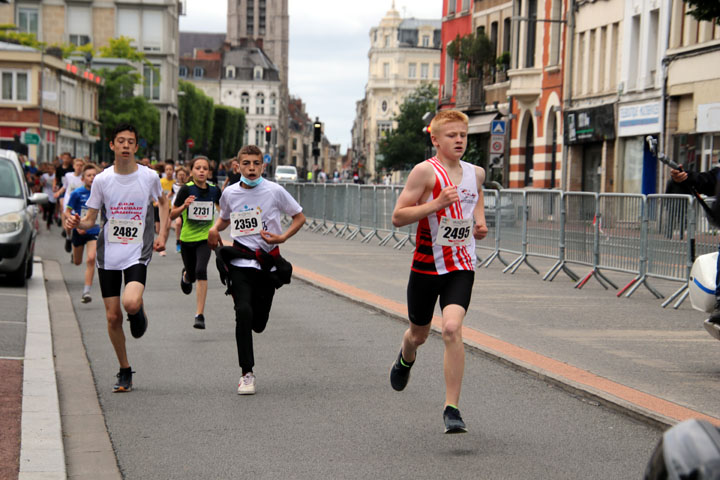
(19, 276)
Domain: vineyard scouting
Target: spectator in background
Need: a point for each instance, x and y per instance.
(233, 175)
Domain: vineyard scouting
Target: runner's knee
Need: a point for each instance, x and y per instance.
(452, 332)
(132, 305)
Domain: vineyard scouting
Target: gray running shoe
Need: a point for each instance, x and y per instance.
(453, 421)
(124, 381)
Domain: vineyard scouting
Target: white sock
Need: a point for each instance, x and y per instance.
(86, 289)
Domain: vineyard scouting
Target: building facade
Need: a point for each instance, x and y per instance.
(44, 95)
(404, 54)
(265, 24)
(153, 28)
(691, 68)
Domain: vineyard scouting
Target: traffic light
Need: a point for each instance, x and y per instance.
(268, 133)
(317, 131)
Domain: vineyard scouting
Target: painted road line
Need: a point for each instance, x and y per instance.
(634, 401)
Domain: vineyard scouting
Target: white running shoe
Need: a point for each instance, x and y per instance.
(246, 386)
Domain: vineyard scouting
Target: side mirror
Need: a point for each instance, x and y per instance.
(38, 199)
(690, 449)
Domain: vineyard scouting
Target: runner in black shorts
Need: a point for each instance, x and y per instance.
(444, 195)
(123, 194)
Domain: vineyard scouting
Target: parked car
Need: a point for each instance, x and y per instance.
(18, 220)
(286, 173)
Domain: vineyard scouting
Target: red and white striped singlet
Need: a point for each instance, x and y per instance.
(433, 259)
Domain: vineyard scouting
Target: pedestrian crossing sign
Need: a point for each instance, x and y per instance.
(497, 127)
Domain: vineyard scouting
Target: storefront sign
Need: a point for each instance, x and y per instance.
(641, 119)
(590, 125)
(708, 118)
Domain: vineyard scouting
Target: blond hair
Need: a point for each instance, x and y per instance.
(447, 116)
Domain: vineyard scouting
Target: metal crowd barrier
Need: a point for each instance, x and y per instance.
(648, 237)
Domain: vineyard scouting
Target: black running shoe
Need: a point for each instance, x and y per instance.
(124, 381)
(453, 421)
(199, 322)
(400, 373)
(185, 286)
(138, 323)
(68, 245)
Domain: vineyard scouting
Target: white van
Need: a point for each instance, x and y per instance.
(286, 173)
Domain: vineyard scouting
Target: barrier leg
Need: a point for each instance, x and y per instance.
(560, 266)
(677, 293)
(489, 260)
(682, 299)
(635, 284)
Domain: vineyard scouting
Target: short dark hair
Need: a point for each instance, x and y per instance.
(122, 127)
(199, 157)
(249, 150)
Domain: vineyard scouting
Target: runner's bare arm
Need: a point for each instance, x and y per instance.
(177, 211)
(408, 208)
(480, 230)
(214, 232)
(159, 244)
(298, 220)
(84, 223)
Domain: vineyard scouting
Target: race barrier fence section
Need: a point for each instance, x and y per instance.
(647, 236)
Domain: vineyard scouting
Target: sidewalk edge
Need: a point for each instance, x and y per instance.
(42, 454)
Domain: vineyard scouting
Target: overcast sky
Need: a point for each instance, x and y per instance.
(329, 43)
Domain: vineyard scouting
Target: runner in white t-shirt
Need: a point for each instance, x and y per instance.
(124, 194)
(70, 181)
(253, 209)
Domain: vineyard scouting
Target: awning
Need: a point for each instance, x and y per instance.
(481, 123)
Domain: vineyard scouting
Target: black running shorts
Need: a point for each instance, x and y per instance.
(111, 280)
(454, 288)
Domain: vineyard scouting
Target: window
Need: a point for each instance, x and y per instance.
(128, 23)
(449, 74)
(386, 70)
(15, 86)
(507, 30)
(424, 67)
(412, 70)
(436, 71)
(198, 72)
(384, 128)
(451, 6)
(294, 146)
(79, 25)
(258, 73)
(260, 103)
(652, 47)
(245, 102)
(182, 73)
(230, 72)
(465, 5)
(27, 21)
(152, 30)
(494, 36)
(634, 52)
(556, 15)
(151, 82)
(273, 104)
(387, 41)
(259, 134)
(426, 40)
(531, 34)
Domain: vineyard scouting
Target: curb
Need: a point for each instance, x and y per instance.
(589, 393)
(42, 455)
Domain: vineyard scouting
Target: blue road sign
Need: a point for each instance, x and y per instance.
(497, 127)
(267, 158)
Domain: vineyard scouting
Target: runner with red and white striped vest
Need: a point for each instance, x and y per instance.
(444, 195)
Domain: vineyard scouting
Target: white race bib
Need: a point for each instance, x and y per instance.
(245, 223)
(124, 231)
(454, 232)
(200, 211)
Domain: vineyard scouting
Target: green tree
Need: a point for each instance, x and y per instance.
(707, 10)
(121, 47)
(118, 104)
(405, 146)
(195, 112)
(228, 131)
(474, 53)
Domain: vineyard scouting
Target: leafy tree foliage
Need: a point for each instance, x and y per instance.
(228, 131)
(121, 47)
(195, 110)
(406, 145)
(118, 104)
(474, 54)
(708, 10)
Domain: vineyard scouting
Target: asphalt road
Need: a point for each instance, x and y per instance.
(324, 407)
